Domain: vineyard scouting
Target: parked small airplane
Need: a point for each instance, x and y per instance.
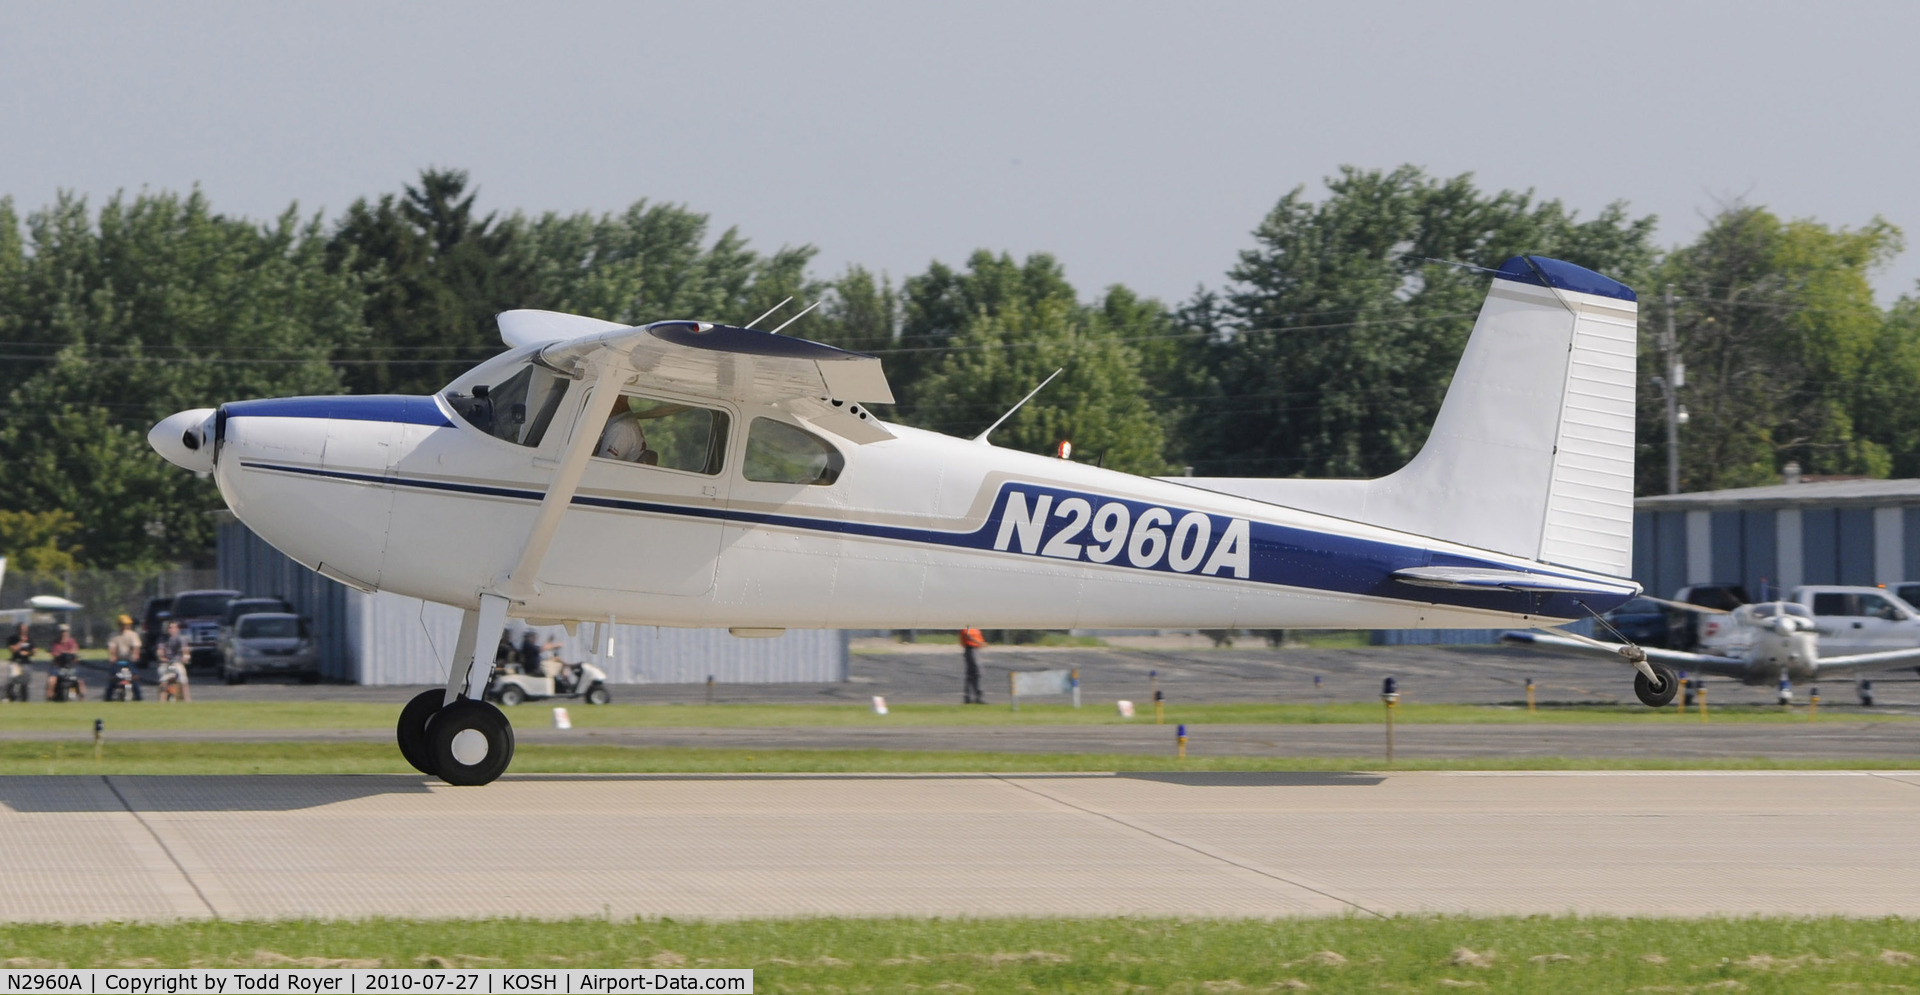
(39, 606)
(687, 473)
(1760, 644)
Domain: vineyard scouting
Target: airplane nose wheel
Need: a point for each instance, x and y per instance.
(470, 742)
(1657, 695)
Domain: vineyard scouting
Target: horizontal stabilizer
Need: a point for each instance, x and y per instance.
(1489, 579)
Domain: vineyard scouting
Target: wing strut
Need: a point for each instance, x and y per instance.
(481, 626)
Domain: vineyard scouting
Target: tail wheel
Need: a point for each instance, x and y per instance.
(471, 742)
(412, 729)
(1657, 695)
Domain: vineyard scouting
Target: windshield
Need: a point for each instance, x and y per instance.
(201, 605)
(517, 409)
(270, 627)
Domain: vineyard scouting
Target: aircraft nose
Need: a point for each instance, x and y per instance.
(186, 439)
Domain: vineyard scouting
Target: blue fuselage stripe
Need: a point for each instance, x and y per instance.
(1276, 555)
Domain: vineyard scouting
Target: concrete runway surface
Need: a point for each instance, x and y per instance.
(1667, 843)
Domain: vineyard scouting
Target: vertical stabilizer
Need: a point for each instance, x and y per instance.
(1532, 452)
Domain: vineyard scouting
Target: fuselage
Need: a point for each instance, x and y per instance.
(411, 495)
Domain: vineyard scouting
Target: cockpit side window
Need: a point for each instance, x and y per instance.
(779, 453)
(657, 432)
(518, 409)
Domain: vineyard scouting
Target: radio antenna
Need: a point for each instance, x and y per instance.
(796, 317)
(982, 437)
(769, 313)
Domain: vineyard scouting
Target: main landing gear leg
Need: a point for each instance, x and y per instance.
(453, 732)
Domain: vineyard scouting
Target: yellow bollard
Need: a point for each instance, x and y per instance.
(1813, 705)
(1159, 709)
(99, 733)
(1180, 741)
(1680, 700)
(1701, 693)
(1530, 706)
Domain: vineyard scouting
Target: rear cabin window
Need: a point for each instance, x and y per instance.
(1856, 605)
(779, 453)
(668, 434)
(272, 628)
(517, 409)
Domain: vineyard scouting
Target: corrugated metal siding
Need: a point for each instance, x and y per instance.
(1854, 546)
(1910, 532)
(390, 639)
(1819, 534)
(1728, 556)
(1669, 553)
(249, 565)
(1759, 570)
(1461, 637)
(401, 640)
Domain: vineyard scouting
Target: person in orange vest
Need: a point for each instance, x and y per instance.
(970, 640)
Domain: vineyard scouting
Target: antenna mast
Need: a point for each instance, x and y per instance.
(982, 437)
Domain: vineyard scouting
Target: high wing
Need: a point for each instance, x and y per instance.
(1861, 663)
(1706, 663)
(820, 383)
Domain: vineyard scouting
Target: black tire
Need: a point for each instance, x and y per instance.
(1661, 695)
(411, 732)
(597, 695)
(462, 757)
(511, 695)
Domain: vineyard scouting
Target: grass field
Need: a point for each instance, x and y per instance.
(238, 716)
(1537, 954)
(23, 757)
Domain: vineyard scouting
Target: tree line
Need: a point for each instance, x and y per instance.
(1325, 350)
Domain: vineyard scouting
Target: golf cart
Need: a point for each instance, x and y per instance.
(576, 680)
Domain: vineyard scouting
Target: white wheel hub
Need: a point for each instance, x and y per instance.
(469, 746)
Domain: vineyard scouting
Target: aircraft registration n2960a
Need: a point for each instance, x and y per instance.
(687, 473)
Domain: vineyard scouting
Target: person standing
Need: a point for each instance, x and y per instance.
(19, 664)
(970, 641)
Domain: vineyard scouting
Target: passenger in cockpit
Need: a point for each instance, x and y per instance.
(624, 439)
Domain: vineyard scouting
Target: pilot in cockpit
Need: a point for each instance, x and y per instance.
(624, 439)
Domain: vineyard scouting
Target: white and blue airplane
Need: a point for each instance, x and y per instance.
(687, 473)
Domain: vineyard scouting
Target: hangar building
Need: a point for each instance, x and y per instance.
(387, 638)
(1774, 538)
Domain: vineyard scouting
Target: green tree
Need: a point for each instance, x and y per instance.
(436, 275)
(1026, 323)
(37, 540)
(1342, 326)
(1787, 356)
(155, 305)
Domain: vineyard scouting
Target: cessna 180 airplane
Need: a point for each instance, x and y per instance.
(687, 473)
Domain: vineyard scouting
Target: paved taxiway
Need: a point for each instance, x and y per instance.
(1154, 844)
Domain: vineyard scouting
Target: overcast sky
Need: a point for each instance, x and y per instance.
(1140, 143)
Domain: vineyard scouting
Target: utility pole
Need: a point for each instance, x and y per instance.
(1676, 378)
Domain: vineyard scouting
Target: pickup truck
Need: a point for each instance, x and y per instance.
(1848, 620)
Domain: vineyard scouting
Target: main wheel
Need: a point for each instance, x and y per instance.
(597, 695)
(412, 729)
(1657, 695)
(471, 742)
(511, 695)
